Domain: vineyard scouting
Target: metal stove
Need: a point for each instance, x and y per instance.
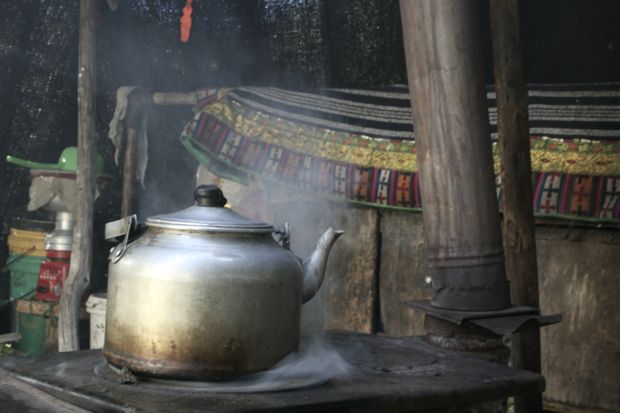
(385, 374)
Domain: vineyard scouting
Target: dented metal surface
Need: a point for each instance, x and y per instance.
(206, 293)
(202, 306)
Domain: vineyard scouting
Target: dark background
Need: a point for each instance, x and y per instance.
(294, 44)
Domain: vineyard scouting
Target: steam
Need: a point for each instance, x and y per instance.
(265, 201)
(314, 364)
(60, 369)
(317, 361)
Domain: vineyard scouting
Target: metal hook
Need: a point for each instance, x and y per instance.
(118, 251)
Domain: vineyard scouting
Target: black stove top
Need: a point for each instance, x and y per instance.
(386, 374)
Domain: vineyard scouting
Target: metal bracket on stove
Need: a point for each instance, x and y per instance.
(284, 236)
(501, 322)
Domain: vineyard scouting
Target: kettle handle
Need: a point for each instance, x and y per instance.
(117, 228)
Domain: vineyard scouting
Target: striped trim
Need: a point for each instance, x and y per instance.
(357, 145)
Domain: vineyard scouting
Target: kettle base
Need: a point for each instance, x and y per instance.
(176, 370)
(252, 383)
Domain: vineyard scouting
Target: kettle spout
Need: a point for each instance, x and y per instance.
(314, 267)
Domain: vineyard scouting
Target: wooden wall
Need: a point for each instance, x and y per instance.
(402, 272)
(380, 262)
(579, 274)
(347, 299)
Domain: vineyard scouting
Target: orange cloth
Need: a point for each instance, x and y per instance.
(186, 21)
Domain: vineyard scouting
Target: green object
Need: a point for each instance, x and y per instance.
(39, 332)
(24, 275)
(35, 331)
(6, 349)
(66, 162)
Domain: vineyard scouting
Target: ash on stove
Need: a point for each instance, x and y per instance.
(313, 365)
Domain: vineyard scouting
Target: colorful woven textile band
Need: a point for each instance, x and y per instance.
(359, 146)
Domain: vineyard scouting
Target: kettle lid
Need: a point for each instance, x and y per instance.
(209, 214)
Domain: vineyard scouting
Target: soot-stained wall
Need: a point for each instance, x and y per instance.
(294, 44)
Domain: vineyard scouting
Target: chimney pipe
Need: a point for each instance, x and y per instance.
(455, 165)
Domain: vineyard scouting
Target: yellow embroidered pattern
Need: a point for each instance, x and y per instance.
(324, 143)
(579, 157)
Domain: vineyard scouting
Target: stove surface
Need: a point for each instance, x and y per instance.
(387, 374)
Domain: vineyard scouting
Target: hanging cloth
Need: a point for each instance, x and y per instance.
(186, 21)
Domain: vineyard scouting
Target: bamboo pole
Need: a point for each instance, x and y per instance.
(461, 218)
(513, 133)
(81, 255)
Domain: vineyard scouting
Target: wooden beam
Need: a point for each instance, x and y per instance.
(81, 254)
(139, 100)
(443, 46)
(514, 143)
(176, 98)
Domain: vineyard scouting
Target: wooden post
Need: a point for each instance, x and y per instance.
(81, 255)
(461, 219)
(514, 142)
(129, 171)
(138, 100)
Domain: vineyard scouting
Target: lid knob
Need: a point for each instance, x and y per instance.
(209, 196)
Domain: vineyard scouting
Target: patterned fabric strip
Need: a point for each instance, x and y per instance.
(245, 132)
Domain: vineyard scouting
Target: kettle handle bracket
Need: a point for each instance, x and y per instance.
(284, 236)
(128, 223)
